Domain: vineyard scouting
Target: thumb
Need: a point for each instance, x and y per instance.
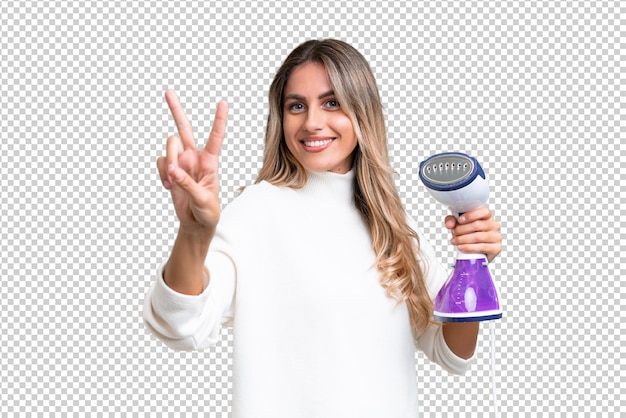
(184, 180)
(450, 222)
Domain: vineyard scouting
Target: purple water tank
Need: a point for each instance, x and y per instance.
(469, 294)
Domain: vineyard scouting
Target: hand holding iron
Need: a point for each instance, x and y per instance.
(476, 231)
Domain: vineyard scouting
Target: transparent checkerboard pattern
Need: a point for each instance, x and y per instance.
(534, 90)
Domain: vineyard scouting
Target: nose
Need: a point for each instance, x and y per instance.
(315, 120)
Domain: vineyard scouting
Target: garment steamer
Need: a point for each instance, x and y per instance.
(459, 182)
(469, 295)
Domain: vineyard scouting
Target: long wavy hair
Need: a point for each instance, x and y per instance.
(375, 195)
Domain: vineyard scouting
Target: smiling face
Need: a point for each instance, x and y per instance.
(317, 131)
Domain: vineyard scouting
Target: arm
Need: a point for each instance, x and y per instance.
(432, 341)
(180, 307)
(185, 270)
(461, 337)
(191, 176)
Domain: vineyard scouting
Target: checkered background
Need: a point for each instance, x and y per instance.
(534, 90)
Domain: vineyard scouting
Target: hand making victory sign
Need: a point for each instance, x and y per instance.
(191, 173)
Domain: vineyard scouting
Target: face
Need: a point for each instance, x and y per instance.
(317, 131)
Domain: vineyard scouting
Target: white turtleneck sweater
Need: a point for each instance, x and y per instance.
(315, 336)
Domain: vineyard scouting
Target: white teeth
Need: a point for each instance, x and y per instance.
(317, 143)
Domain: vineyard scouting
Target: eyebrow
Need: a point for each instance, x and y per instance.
(302, 98)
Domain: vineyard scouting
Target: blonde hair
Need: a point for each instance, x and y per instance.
(375, 195)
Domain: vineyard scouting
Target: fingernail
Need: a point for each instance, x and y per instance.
(462, 219)
(167, 184)
(171, 168)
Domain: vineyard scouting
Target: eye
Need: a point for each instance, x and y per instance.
(332, 104)
(295, 107)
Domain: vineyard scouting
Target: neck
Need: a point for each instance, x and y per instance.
(330, 185)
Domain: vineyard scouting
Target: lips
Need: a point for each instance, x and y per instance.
(313, 144)
(317, 143)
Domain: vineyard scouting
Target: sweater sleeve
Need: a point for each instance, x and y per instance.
(431, 342)
(189, 322)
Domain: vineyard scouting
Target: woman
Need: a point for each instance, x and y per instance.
(318, 269)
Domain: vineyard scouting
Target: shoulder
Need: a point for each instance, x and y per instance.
(263, 190)
(257, 206)
(258, 198)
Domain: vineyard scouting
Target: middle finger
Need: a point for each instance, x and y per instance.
(475, 226)
(182, 123)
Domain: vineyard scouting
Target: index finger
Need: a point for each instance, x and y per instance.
(182, 123)
(481, 213)
(218, 130)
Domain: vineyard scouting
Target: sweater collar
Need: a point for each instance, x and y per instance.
(328, 185)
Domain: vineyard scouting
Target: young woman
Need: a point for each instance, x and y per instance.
(324, 278)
